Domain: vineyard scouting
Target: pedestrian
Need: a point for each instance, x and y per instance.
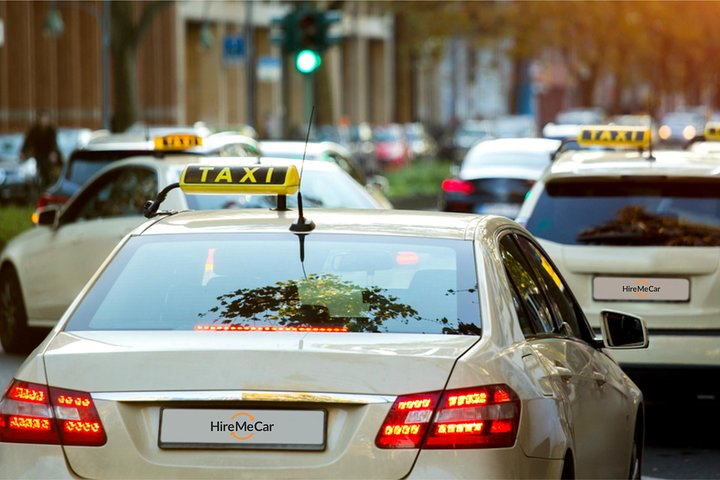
(41, 144)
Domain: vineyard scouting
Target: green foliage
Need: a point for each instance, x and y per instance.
(14, 220)
(419, 178)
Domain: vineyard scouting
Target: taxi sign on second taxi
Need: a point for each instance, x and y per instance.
(712, 131)
(177, 142)
(614, 136)
(252, 179)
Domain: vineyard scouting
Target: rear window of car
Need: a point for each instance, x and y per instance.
(357, 283)
(83, 164)
(629, 212)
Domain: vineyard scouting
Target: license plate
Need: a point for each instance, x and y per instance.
(509, 210)
(639, 289)
(242, 428)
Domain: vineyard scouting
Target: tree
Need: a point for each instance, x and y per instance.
(125, 38)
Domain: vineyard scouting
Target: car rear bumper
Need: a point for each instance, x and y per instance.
(483, 463)
(20, 460)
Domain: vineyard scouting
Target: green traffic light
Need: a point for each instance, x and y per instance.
(307, 61)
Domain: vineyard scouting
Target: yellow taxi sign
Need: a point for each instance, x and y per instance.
(712, 131)
(238, 179)
(177, 142)
(614, 136)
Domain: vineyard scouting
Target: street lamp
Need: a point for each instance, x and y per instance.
(54, 27)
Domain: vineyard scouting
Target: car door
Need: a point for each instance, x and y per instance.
(89, 227)
(559, 337)
(601, 376)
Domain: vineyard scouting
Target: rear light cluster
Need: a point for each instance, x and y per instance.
(455, 185)
(480, 417)
(34, 413)
(50, 199)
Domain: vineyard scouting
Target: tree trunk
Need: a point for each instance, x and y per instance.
(125, 91)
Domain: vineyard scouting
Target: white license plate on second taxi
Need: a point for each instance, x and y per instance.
(242, 428)
(638, 289)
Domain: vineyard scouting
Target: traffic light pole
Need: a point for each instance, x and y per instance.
(309, 101)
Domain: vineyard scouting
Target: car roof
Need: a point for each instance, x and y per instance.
(181, 160)
(513, 145)
(408, 223)
(280, 148)
(671, 163)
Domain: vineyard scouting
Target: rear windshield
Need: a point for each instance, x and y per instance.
(84, 164)
(642, 212)
(356, 283)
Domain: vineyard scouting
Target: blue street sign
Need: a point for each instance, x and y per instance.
(233, 49)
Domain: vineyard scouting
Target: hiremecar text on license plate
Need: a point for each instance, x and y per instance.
(641, 289)
(242, 428)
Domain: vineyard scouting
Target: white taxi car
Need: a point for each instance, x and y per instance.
(641, 232)
(344, 344)
(43, 269)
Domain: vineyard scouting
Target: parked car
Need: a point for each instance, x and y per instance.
(17, 177)
(467, 134)
(496, 175)
(680, 128)
(392, 149)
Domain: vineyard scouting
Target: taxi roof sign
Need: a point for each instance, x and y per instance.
(177, 142)
(240, 179)
(614, 136)
(712, 131)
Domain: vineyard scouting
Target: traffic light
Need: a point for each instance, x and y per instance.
(305, 33)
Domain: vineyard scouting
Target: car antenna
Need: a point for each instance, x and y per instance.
(302, 225)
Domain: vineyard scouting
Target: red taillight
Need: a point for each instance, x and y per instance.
(47, 199)
(454, 185)
(481, 417)
(405, 425)
(34, 413)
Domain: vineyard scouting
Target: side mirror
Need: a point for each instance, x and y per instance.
(378, 182)
(623, 331)
(47, 216)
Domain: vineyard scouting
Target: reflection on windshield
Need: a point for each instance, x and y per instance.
(322, 300)
(633, 225)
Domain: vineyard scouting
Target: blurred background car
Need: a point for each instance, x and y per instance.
(496, 175)
(679, 128)
(105, 149)
(467, 134)
(515, 126)
(329, 152)
(70, 139)
(16, 176)
(568, 122)
(421, 142)
(392, 149)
